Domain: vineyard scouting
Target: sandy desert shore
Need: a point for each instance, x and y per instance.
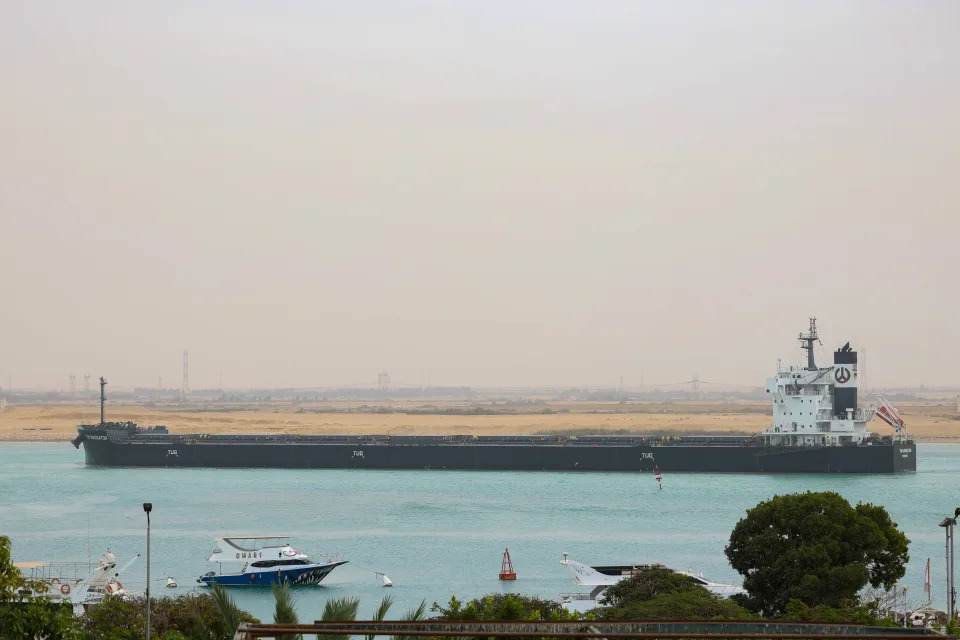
(58, 422)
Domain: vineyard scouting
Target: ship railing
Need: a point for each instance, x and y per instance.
(328, 558)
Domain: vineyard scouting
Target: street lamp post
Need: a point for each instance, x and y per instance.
(905, 605)
(147, 508)
(949, 524)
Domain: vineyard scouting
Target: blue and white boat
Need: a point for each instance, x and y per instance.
(264, 561)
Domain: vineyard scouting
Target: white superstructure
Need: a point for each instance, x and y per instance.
(817, 406)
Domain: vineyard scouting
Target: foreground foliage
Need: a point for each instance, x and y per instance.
(22, 615)
(797, 611)
(196, 617)
(815, 548)
(658, 593)
(509, 606)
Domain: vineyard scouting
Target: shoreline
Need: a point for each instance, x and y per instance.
(57, 423)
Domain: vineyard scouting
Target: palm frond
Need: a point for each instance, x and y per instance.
(285, 610)
(340, 610)
(381, 612)
(414, 615)
(228, 609)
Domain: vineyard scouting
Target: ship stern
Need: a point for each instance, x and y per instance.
(905, 456)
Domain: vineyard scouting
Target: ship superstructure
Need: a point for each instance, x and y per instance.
(818, 406)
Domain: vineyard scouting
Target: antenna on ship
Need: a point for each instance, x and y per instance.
(809, 339)
(103, 397)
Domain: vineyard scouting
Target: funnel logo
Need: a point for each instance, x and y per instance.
(842, 374)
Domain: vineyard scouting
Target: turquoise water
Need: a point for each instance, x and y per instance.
(435, 533)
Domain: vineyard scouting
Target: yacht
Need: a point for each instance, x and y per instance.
(264, 561)
(602, 577)
(60, 581)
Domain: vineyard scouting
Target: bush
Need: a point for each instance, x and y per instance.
(195, 617)
(505, 606)
(658, 593)
(684, 605)
(798, 611)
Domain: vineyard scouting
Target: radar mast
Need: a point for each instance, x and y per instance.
(808, 341)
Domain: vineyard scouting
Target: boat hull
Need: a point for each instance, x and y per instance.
(309, 575)
(629, 455)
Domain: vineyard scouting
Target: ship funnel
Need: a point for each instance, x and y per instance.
(844, 382)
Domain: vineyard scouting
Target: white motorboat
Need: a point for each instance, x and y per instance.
(266, 560)
(603, 576)
(59, 581)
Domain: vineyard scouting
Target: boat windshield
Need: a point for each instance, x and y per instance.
(278, 563)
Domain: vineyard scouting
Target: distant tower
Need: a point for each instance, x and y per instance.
(383, 382)
(696, 384)
(185, 388)
(73, 384)
(86, 384)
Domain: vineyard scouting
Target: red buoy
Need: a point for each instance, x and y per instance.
(506, 569)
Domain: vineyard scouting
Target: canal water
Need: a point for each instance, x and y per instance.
(434, 533)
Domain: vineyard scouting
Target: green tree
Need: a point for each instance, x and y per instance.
(22, 615)
(815, 548)
(658, 593)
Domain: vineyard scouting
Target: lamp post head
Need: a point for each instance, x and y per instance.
(148, 507)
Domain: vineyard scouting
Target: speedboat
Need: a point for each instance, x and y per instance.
(602, 577)
(264, 561)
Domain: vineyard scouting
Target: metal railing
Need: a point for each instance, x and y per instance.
(674, 630)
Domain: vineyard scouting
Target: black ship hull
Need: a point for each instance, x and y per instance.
(108, 447)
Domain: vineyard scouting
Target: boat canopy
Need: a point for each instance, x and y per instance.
(244, 548)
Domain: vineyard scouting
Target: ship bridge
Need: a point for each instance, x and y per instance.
(817, 406)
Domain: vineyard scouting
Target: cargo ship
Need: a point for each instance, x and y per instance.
(818, 427)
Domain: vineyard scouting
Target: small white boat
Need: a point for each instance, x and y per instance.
(171, 583)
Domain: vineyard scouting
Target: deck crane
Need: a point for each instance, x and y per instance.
(891, 416)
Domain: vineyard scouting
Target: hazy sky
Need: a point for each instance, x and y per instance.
(476, 192)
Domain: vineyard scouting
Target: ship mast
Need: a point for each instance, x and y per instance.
(103, 398)
(808, 341)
